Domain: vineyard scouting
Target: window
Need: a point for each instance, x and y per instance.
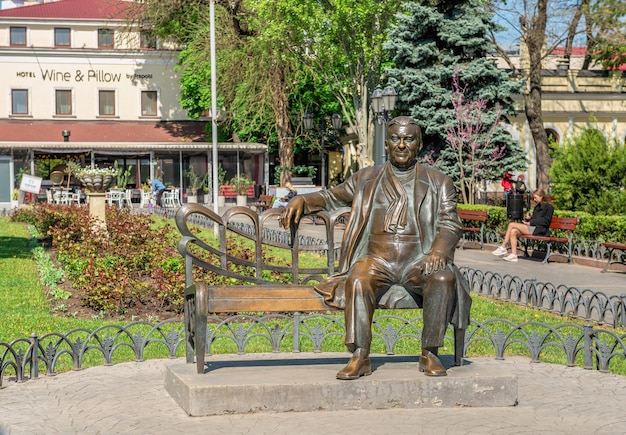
(18, 36)
(105, 38)
(63, 102)
(106, 105)
(19, 101)
(147, 39)
(148, 103)
(62, 37)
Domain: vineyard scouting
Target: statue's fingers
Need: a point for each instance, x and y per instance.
(297, 216)
(427, 266)
(284, 219)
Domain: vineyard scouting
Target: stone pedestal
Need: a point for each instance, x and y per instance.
(97, 208)
(238, 384)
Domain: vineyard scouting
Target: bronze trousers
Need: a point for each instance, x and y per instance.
(394, 263)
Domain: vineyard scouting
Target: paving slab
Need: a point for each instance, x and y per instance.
(130, 398)
(306, 382)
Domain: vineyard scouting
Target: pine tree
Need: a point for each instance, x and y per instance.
(429, 45)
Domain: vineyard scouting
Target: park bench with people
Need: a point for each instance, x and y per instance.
(562, 234)
(256, 293)
(473, 226)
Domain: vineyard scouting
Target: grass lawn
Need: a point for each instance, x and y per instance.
(24, 308)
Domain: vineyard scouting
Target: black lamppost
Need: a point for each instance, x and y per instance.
(66, 135)
(336, 124)
(383, 103)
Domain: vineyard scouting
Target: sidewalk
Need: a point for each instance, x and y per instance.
(130, 398)
(575, 275)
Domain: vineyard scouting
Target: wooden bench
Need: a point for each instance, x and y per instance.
(558, 224)
(256, 294)
(263, 203)
(612, 247)
(470, 217)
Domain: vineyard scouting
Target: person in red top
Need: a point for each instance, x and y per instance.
(507, 182)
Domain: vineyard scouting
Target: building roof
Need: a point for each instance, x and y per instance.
(74, 9)
(103, 131)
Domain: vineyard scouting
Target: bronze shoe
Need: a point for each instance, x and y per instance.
(358, 366)
(431, 365)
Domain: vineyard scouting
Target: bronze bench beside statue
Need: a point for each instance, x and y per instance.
(257, 294)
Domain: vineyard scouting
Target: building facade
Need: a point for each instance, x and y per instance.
(572, 99)
(81, 82)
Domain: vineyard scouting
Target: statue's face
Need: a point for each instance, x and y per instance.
(402, 145)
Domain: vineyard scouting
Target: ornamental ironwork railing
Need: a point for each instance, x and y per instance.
(558, 299)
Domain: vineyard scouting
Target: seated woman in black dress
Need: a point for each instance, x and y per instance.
(537, 224)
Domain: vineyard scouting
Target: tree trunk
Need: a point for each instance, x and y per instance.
(280, 104)
(535, 39)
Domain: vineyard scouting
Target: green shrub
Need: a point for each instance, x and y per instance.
(589, 174)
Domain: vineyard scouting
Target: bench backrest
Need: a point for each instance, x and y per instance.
(473, 215)
(563, 223)
(235, 260)
(267, 199)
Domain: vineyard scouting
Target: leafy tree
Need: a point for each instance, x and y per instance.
(470, 146)
(430, 44)
(543, 25)
(608, 43)
(345, 55)
(257, 66)
(589, 174)
(278, 59)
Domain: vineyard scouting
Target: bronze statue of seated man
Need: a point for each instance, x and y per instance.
(401, 235)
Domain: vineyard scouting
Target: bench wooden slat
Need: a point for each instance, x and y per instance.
(228, 299)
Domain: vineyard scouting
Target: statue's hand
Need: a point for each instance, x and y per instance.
(292, 212)
(434, 262)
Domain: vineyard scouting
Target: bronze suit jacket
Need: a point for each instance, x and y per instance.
(439, 226)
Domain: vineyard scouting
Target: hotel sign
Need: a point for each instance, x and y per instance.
(90, 75)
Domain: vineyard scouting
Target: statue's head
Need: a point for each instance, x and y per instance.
(403, 141)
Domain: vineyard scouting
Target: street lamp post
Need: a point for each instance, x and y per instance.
(336, 124)
(383, 103)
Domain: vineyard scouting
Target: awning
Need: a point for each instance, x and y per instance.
(133, 147)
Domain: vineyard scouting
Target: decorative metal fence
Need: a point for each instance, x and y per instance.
(576, 345)
(558, 299)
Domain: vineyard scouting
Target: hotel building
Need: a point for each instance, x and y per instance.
(79, 82)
